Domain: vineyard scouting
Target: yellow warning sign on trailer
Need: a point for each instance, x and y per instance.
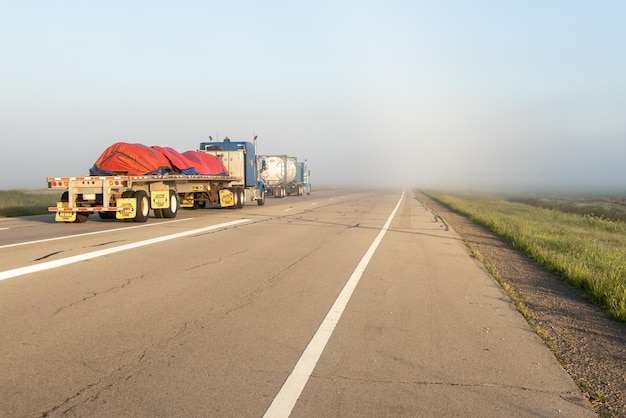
(226, 198)
(128, 207)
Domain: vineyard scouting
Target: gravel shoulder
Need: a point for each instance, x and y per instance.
(590, 345)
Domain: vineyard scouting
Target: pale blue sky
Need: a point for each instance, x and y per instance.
(461, 94)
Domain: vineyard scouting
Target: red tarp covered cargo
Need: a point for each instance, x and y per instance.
(138, 160)
(130, 159)
(179, 162)
(206, 163)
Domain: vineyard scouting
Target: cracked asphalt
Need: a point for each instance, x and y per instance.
(213, 323)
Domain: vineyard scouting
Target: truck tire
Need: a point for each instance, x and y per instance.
(241, 201)
(143, 206)
(81, 217)
(106, 215)
(172, 210)
(235, 199)
(261, 201)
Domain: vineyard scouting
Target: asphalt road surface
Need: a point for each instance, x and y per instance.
(341, 303)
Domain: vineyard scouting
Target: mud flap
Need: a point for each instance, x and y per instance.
(65, 216)
(187, 201)
(129, 208)
(160, 199)
(227, 198)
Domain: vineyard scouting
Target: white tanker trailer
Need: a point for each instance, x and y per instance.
(284, 175)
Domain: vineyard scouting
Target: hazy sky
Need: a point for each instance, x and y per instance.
(461, 94)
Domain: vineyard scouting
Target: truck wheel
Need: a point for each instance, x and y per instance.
(172, 210)
(106, 215)
(261, 201)
(143, 206)
(242, 198)
(235, 199)
(158, 213)
(81, 218)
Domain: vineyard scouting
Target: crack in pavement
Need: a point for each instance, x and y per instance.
(67, 400)
(436, 217)
(244, 300)
(563, 395)
(95, 294)
(216, 260)
(122, 373)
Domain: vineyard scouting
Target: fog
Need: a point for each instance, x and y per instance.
(525, 96)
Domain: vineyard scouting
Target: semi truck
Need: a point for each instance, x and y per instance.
(284, 175)
(127, 195)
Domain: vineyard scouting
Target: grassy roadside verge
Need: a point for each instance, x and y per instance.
(26, 202)
(589, 252)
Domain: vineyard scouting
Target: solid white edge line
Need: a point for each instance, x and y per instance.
(8, 274)
(285, 400)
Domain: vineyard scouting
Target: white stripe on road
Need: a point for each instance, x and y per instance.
(88, 256)
(86, 233)
(285, 400)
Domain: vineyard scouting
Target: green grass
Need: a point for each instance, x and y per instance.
(612, 208)
(587, 250)
(26, 202)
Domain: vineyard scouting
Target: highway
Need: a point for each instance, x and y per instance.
(337, 304)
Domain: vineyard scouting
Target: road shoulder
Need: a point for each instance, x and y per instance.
(589, 344)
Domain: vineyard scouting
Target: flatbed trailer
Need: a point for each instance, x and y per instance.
(132, 197)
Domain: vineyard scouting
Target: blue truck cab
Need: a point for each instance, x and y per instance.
(239, 158)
